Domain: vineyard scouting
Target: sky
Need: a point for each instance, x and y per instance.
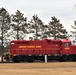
(65, 10)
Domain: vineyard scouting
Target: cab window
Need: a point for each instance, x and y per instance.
(67, 44)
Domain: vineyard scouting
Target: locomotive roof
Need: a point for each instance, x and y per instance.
(62, 40)
(66, 40)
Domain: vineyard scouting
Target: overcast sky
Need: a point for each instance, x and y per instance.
(62, 9)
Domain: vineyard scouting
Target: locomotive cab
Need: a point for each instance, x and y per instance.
(66, 46)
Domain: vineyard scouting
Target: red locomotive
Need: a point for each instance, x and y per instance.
(35, 50)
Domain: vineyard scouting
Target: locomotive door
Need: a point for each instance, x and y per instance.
(66, 48)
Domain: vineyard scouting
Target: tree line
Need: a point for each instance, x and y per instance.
(20, 27)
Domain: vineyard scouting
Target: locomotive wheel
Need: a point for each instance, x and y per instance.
(30, 59)
(60, 59)
(63, 58)
(70, 58)
(16, 59)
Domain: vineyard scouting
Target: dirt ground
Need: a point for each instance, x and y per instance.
(51, 68)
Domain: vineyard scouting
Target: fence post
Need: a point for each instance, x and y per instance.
(45, 58)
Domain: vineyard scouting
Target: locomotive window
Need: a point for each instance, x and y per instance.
(67, 44)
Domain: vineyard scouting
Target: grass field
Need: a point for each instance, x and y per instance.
(52, 68)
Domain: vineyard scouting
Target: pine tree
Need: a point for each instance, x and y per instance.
(5, 19)
(56, 30)
(19, 23)
(4, 26)
(36, 25)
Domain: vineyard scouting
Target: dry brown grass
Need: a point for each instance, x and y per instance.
(52, 68)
